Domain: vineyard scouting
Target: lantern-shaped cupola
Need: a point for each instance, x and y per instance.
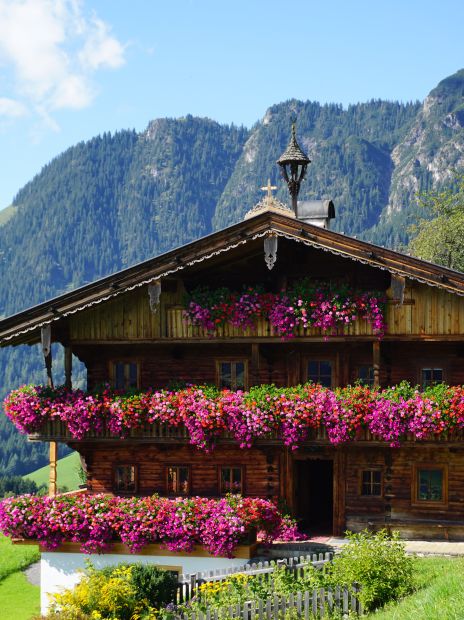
(293, 164)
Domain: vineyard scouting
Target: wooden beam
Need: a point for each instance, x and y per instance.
(52, 489)
(376, 362)
(68, 367)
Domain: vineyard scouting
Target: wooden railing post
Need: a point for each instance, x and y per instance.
(53, 459)
(376, 362)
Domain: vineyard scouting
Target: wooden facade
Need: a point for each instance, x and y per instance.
(112, 328)
(425, 314)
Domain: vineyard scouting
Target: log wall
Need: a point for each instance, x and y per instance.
(260, 467)
(280, 363)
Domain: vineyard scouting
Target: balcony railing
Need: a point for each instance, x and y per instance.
(163, 433)
(178, 327)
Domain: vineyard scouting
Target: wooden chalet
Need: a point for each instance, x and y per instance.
(129, 330)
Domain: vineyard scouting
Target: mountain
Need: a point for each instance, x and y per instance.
(118, 199)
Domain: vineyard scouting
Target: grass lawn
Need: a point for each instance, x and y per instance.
(19, 599)
(439, 597)
(67, 475)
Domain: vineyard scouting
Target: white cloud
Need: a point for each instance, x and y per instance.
(12, 108)
(101, 49)
(53, 48)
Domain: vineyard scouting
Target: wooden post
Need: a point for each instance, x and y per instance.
(68, 367)
(46, 340)
(376, 362)
(254, 375)
(53, 459)
(289, 482)
(48, 366)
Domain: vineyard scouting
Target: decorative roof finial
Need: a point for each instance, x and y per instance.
(269, 203)
(293, 164)
(269, 188)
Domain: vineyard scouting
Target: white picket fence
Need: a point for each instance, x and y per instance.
(308, 605)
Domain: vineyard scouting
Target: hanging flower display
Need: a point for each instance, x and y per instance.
(95, 522)
(303, 305)
(264, 411)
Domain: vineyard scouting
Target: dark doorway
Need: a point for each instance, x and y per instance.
(314, 495)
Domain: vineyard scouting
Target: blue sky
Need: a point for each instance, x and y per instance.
(71, 69)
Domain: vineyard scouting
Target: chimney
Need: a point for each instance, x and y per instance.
(316, 212)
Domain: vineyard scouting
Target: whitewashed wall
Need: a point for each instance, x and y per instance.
(61, 570)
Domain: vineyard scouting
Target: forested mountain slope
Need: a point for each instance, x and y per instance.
(119, 199)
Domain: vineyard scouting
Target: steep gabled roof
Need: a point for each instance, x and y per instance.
(13, 329)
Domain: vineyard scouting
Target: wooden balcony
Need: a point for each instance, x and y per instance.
(177, 327)
(165, 434)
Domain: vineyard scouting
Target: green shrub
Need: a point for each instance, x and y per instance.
(157, 586)
(378, 563)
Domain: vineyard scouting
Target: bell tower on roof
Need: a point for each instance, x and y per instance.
(293, 164)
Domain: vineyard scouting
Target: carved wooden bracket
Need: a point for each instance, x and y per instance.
(270, 250)
(154, 293)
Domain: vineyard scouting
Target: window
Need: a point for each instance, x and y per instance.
(371, 483)
(125, 375)
(231, 480)
(430, 376)
(320, 371)
(232, 375)
(366, 375)
(125, 479)
(430, 484)
(178, 480)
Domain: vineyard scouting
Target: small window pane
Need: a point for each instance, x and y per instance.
(325, 368)
(125, 479)
(184, 481)
(119, 379)
(239, 375)
(132, 374)
(430, 483)
(313, 369)
(226, 375)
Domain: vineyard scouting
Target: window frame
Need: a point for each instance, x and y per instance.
(327, 358)
(232, 361)
(126, 361)
(361, 482)
(222, 492)
(421, 503)
(178, 465)
(431, 367)
(136, 478)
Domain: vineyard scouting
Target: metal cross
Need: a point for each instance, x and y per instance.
(269, 188)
